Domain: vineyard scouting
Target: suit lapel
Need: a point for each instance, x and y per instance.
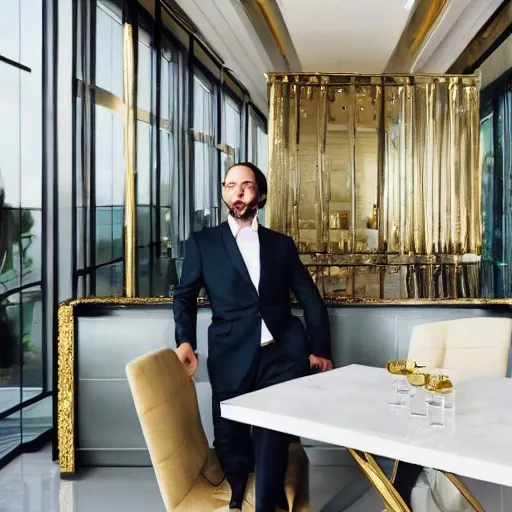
(234, 253)
(265, 253)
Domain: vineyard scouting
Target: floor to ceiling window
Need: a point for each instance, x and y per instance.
(192, 123)
(24, 412)
(496, 154)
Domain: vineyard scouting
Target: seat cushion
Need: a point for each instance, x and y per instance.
(202, 498)
(296, 485)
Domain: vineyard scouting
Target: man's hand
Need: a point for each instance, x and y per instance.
(320, 363)
(186, 355)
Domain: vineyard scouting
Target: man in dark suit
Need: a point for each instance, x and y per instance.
(248, 272)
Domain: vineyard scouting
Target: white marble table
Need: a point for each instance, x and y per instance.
(348, 407)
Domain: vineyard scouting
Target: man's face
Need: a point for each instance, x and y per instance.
(240, 192)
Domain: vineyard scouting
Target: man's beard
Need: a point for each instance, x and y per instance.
(250, 211)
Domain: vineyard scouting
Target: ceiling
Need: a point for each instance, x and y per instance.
(345, 36)
(351, 36)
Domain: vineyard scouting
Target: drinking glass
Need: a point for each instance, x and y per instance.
(436, 411)
(418, 402)
(401, 391)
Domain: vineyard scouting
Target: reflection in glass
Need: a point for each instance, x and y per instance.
(143, 163)
(10, 125)
(10, 35)
(144, 71)
(32, 341)
(206, 180)
(10, 433)
(144, 271)
(31, 245)
(109, 38)
(10, 352)
(109, 280)
(104, 226)
(36, 419)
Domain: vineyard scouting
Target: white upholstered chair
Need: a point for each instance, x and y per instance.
(470, 346)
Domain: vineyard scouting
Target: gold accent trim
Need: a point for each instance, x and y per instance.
(134, 301)
(66, 388)
(389, 495)
(385, 79)
(130, 230)
(422, 22)
(268, 17)
(463, 489)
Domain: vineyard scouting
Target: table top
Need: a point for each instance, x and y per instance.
(349, 407)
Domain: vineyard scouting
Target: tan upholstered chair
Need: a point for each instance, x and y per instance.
(468, 346)
(187, 471)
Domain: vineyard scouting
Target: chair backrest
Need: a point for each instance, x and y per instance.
(427, 345)
(166, 404)
(476, 346)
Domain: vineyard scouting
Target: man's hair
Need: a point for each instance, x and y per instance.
(259, 177)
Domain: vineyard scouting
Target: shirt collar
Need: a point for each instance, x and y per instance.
(235, 228)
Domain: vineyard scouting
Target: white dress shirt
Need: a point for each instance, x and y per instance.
(248, 243)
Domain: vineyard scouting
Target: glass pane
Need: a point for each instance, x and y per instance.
(31, 15)
(203, 107)
(10, 125)
(117, 231)
(10, 30)
(166, 82)
(118, 168)
(10, 263)
(104, 156)
(143, 226)
(231, 135)
(144, 72)
(79, 156)
(109, 48)
(31, 243)
(143, 163)
(109, 280)
(262, 149)
(32, 340)
(104, 231)
(10, 433)
(144, 271)
(166, 167)
(36, 419)
(10, 352)
(31, 122)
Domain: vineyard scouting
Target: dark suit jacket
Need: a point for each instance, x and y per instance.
(214, 261)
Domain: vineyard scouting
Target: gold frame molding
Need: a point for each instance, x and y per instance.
(66, 371)
(66, 354)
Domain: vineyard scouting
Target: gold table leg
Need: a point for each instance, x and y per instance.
(461, 487)
(389, 495)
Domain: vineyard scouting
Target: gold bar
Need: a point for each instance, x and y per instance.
(322, 206)
(294, 140)
(381, 169)
(130, 201)
(352, 161)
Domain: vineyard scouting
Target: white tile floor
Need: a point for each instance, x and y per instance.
(31, 483)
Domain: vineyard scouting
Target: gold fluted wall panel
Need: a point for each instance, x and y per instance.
(377, 178)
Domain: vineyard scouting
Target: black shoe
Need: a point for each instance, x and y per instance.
(238, 486)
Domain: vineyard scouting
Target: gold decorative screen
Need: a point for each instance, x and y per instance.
(378, 181)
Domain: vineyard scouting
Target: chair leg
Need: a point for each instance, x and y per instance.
(463, 489)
